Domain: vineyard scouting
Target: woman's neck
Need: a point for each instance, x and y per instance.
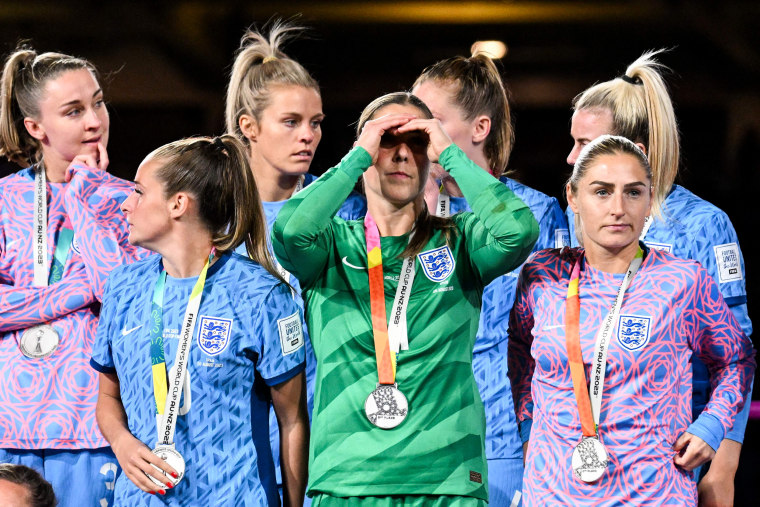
(611, 260)
(273, 186)
(55, 169)
(392, 219)
(183, 258)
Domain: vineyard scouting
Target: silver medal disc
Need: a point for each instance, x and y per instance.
(39, 341)
(174, 459)
(589, 459)
(386, 407)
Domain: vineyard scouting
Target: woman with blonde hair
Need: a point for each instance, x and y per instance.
(637, 106)
(179, 397)
(601, 343)
(61, 233)
(469, 98)
(274, 107)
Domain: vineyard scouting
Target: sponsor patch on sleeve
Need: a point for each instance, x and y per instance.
(727, 260)
(291, 333)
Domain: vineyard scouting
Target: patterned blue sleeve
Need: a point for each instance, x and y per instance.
(279, 325)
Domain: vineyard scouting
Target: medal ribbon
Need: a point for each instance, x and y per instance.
(589, 404)
(167, 402)
(389, 339)
(43, 277)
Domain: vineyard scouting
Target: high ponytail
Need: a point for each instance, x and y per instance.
(25, 75)
(260, 64)
(642, 112)
(216, 173)
(479, 90)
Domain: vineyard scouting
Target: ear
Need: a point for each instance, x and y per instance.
(34, 128)
(178, 205)
(571, 199)
(643, 148)
(481, 127)
(249, 127)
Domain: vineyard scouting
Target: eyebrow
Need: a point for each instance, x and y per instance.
(627, 185)
(77, 101)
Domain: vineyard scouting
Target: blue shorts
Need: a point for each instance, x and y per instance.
(504, 478)
(79, 477)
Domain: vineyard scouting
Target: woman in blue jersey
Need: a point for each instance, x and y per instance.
(61, 233)
(637, 106)
(274, 108)
(469, 98)
(225, 328)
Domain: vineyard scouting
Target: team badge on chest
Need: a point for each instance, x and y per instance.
(214, 335)
(633, 331)
(437, 264)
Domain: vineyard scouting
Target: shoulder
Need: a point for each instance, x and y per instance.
(673, 267)
(246, 277)
(691, 211)
(551, 263)
(114, 187)
(538, 202)
(128, 276)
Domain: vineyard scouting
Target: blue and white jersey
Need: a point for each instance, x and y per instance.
(354, 207)
(692, 228)
(248, 334)
(489, 359)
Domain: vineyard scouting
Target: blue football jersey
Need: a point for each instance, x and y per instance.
(489, 359)
(692, 228)
(248, 335)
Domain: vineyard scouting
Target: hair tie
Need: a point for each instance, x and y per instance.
(219, 144)
(631, 80)
(268, 59)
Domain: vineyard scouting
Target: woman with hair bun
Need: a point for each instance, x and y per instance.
(61, 233)
(274, 107)
(600, 350)
(469, 98)
(194, 202)
(637, 106)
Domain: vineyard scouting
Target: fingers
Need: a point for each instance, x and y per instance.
(102, 157)
(373, 131)
(143, 465)
(439, 140)
(692, 451)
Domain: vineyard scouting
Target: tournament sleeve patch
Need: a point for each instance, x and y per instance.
(561, 238)
(727, 260)
(291, 333)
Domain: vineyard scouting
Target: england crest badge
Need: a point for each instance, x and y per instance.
(214, 335)
(633, 331)
(437, 264)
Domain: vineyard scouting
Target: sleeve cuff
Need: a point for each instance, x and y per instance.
(279, 379)
(740, 423)
(102, 369)
(708, 428)
(525, 427)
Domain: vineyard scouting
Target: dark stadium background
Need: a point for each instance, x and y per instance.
(165, 65)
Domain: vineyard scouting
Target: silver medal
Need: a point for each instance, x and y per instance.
(39, 341)
(386, 407)
(174, 459)
(589, 459)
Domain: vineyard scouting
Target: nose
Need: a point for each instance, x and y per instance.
(616, 205)
(93, 120)
(306, 134)
(573, 155)
(402, 152)
(126, 205)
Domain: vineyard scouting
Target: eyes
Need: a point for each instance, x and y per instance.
(414, 140)
(295, 122)
(633, 193)
(78, 110)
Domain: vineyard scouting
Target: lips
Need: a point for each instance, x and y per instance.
(94, 140)
(304, 154)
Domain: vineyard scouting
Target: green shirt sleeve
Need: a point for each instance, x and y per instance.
(302, 234)
(501, 230)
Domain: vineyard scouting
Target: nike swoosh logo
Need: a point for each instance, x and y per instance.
(125, 331)
(345, 261)
(546, 328)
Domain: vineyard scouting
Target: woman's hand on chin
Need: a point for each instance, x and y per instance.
(373, 131)
(439, 139)
(98, 162)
